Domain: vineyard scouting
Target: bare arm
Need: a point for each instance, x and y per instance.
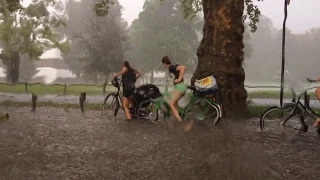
(138, 73)
(182, 69)
(124, 70)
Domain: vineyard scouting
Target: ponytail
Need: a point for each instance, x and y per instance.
(127, 65)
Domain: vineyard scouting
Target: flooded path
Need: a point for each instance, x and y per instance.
(59, 144)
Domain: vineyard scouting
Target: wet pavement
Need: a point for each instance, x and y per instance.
(65, 144)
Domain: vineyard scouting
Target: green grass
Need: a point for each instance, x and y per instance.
(274, 95)
(40, 89)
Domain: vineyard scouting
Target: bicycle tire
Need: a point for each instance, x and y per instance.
(286, 108)
(144, 111)
(197, 112)
(115, 105)
(313, 112)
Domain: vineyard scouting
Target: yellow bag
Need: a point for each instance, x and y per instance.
(206, 84)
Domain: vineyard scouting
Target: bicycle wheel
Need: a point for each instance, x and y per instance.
(273, 117)
(147, 110)
(204, 111)
(111, 105)
(313, 113)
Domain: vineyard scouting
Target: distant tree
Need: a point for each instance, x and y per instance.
(27, 69)
(77, 12)
(10, 5)
(104, 43)
(265, 59)
(302, 54)
(162, 30)
(27, 31)
(248, 49)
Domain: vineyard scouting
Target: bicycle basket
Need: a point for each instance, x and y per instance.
(207, 84)
(115, 82)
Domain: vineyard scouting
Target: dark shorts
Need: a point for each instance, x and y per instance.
(128, 93)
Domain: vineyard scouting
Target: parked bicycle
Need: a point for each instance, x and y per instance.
(291, 109)
(141, 106)
(201, 106)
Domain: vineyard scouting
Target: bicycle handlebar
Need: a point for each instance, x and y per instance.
(305, 91)
(312, 80)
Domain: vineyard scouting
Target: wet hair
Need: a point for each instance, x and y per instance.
(127, 65)
(166, 60)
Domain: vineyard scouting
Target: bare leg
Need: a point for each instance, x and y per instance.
(175, 96)
(317, 122)
(125, 103)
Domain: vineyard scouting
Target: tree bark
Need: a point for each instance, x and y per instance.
(12, 63)
(221, 53)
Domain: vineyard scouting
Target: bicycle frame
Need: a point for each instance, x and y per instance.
(299, 107)
(305, 107)
(193, 100)
(118, 93)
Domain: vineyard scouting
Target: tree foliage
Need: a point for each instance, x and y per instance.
(301, 53)
(192, 8)
(77, 13)
(11, 6)
(104, 42)
(29, 31)
(161, 30)
(27, 69)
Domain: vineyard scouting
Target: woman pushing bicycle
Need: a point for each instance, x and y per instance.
(179, 90)
(129, 77)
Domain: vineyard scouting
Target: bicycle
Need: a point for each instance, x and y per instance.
(293, 108)
(201, 106)
(114, 100)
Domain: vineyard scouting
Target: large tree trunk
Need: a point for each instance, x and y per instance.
(221, 53)
(13, 68)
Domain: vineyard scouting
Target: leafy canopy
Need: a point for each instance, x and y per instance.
(12, 5)
(29, 30)
(161, 29)
(104, 42)
(192, 8)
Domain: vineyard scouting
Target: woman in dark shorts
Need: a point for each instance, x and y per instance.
(129, 76)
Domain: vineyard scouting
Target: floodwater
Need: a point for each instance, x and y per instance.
(65, 144)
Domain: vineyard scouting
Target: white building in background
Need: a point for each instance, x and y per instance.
(51, 66)
(51, 74)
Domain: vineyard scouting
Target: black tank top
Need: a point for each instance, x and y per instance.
(129, 79)
(173, 69)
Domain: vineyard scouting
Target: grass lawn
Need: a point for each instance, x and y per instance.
(274, 94)
(40, 89)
